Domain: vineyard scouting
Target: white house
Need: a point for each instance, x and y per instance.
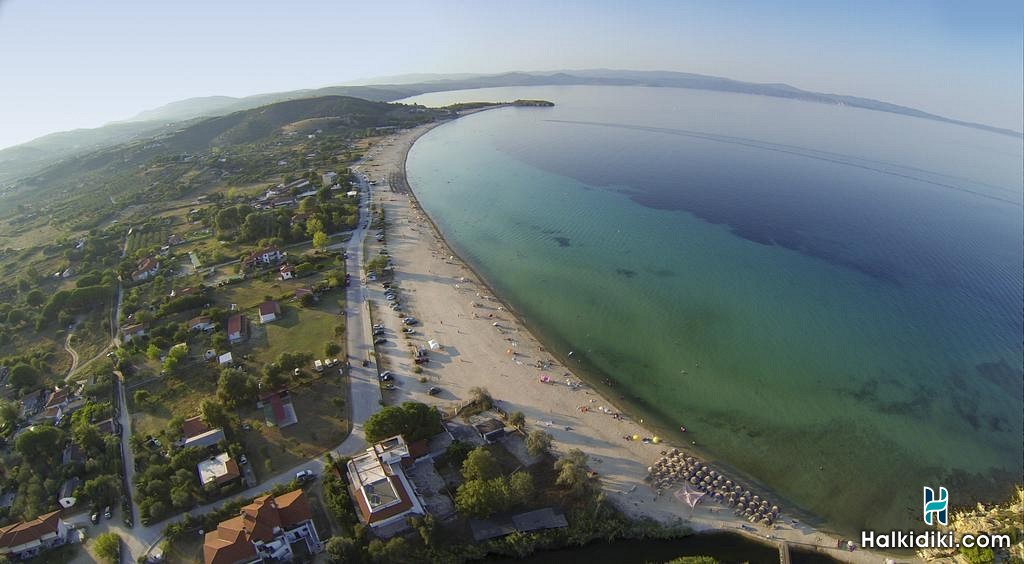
(382, 492)
(269, 311)
(330, 178)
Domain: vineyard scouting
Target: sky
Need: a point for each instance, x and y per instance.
(72, 64)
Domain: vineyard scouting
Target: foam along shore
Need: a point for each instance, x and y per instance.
(484, 345)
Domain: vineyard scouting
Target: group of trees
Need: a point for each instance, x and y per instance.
(37, 472)
(412, 420)
(486, 491)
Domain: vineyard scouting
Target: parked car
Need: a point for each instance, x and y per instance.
(304, 475)
(386, 375)
(410, 321)
(242, 459)
(434, 390)
(378, 326)
(107, 513)
(378, 332)
(95, 517)
(409, 330)
(379, 341)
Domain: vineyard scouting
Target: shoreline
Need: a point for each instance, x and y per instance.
(628, 488)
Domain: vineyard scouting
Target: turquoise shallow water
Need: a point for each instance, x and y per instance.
(828, 298)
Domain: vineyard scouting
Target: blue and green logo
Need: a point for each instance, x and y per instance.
(936, 508)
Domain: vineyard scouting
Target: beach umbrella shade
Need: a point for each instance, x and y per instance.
(775, 509)
(757, 498)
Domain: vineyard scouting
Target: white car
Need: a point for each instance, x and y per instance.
(304, 475)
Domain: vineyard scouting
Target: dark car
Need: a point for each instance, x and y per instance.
(378, 332)
(408, 330)
(379, 341)
(434, 390)
(386, 375)
(410, 321)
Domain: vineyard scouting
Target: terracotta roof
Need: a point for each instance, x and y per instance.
(193, 426)
(236, 324)
(232, 541)
(266, 308)
(293, 507)
(148, 263)
(287, 268)
(57, 397)
(197, 320)
(28, 531)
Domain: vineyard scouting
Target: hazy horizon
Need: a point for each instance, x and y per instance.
(84, 65)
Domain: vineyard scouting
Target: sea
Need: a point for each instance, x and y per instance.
(828, 298)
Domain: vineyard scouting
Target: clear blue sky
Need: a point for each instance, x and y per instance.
(69, 64)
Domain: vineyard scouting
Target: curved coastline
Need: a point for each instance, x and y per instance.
(810, 536)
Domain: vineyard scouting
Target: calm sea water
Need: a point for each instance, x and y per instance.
(828, 298)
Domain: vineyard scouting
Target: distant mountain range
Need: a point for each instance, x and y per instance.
(29, 157)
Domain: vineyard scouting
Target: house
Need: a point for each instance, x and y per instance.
(329, 178)
(62, 402)
(175, 239)
(133, 331)
(489, 429)
(146, 269)
(238, 328)
(29, 538)
(278, 410)
(382, 492)
(225, 359)
(263, 257)
(201, 323)
(269, 311)
(205, 440)
(264, 531)
(66, 495)
(218, 470)
(287, 272)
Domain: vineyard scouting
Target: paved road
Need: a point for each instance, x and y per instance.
(364, 400)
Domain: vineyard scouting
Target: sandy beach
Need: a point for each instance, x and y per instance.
(486, 346)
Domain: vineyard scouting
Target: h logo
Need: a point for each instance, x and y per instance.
(936, 509)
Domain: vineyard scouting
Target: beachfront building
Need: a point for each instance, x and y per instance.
(270, 529)
(383, 495)
(27, 539)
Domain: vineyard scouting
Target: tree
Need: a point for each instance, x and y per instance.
(345, 550)
(319, 240)
(142, 397)
(108, 547)
(517, 420)
(481, 397)
(308, 300)
(412, 420)
(235, 387)
(214, 414)
(102, 490)
(538, 443)
(87, 436)
(480, 465)
(35, 298)
(572, 472)
(175, 355)
(23, 376)
(40, 445)
(332, 348)
(152, 352)
(9, 414)
(313, 226)
(480, 498)
(520, 487)
(394, 551)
